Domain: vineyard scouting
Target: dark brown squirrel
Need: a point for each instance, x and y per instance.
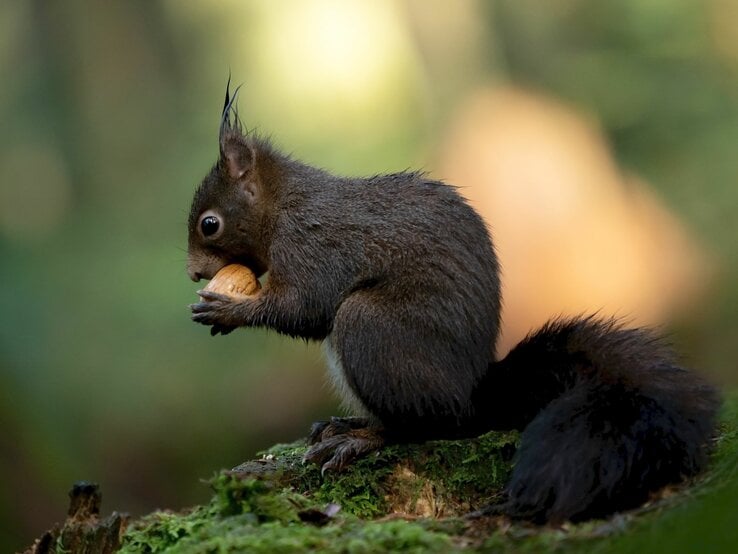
(397, 276)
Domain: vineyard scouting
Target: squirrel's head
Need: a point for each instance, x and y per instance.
(230, 217)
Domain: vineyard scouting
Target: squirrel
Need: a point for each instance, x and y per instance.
(397, 276)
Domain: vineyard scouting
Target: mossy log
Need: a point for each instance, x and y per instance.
(408, 498)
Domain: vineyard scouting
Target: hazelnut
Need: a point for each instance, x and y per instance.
(234, 280)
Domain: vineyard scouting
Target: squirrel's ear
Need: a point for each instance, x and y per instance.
(236, 157)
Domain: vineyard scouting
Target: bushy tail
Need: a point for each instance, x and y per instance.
(607, 418)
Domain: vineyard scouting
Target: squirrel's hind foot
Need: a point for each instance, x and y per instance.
(336, 444)
(321, 430)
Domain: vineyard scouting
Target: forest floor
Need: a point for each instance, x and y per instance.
(409, 498)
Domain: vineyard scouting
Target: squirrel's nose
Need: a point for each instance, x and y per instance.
(194, 275)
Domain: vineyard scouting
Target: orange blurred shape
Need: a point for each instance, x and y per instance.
(574, 235)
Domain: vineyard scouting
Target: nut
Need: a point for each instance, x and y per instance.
(234, 280)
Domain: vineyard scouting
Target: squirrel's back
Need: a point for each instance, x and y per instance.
(412, 236)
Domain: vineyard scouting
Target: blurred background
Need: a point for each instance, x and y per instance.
(599, 139)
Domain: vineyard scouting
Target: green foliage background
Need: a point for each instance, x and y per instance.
(109, 118)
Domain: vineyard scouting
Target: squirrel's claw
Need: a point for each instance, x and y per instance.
(214, 309)
(210, 296)
(221, 329)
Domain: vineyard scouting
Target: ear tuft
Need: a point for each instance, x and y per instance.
(237, 152)
(230, 124)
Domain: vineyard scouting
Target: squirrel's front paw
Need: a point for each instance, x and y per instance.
(215, 309)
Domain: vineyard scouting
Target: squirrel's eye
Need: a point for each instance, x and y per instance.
(209, 225)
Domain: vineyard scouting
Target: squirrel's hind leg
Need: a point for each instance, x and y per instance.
(383, 365)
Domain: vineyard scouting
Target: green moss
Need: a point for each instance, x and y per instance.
(242, 501)
(260, 499)
(473, 470)
(252, 515)
(257, 506)
(242, 533)
(238, 535)
(260, 506)
(159, 531)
